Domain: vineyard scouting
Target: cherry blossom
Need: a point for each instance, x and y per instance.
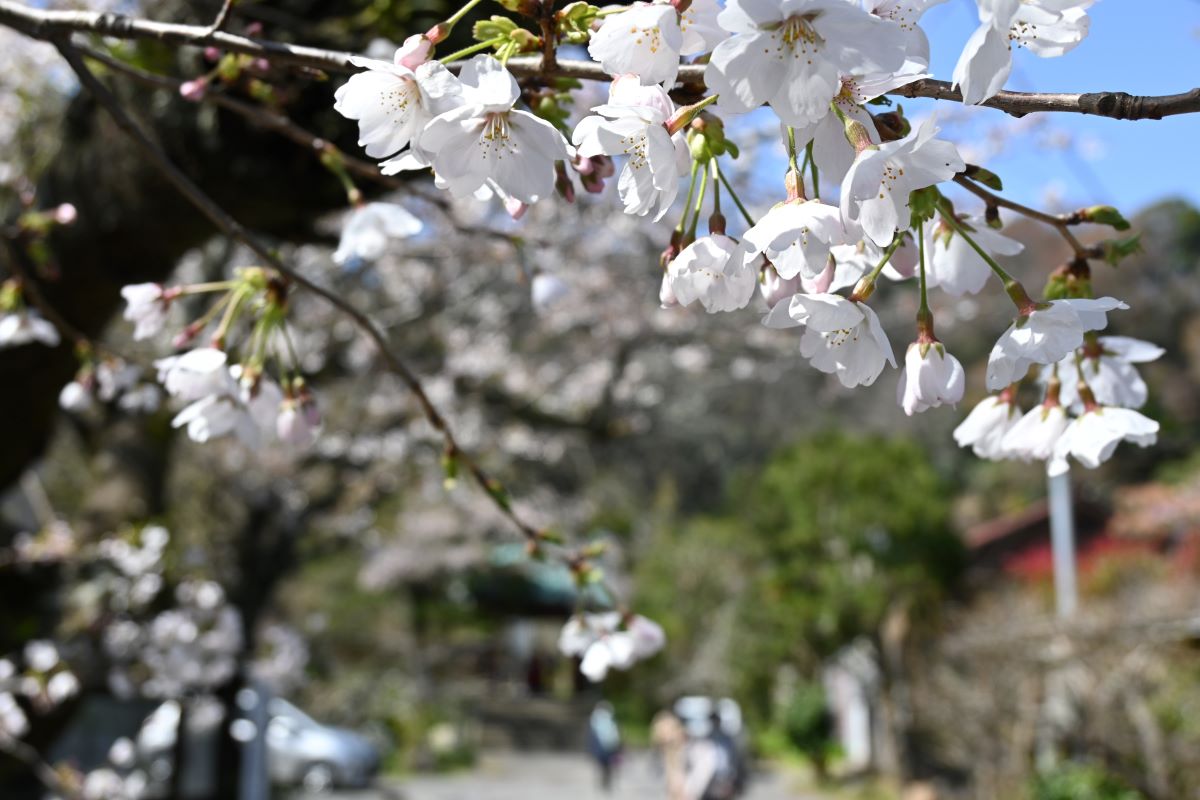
(711, 270)
(393, 102)
(369, 229)
(1047, 28)
(905, 14)
(1033, 436)
(1093, 436)
(146, 307)
(954, 266)
(791, 54)
(1044, 334)
(831, 150)
(842, 336)
(194, 374)
(633, 124)
(876, 189)
(796, 237)
(1109, 372)
(644, 41)
(27, 326)
(986, 426)
(546, 291)
(487, 139)
(609, 641)
(930, 377)
(701, 31)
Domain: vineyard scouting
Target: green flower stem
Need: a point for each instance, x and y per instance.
(475, 48)
(687, 204)
(960, 229)
(924, 310)
(458, 15)
(866, 287)
(791, 147)
(204, 288)
(716, 184)
(737, 202)
(812, 163)
(699, 203)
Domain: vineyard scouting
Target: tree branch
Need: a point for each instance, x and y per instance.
(45, 24)
(233, 229)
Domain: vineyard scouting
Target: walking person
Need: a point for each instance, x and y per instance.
(604, 742)
(670, 740)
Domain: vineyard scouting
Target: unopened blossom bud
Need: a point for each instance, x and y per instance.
(515, 208)
(65, 214)
(562, 183)
(666, 294)
(254, 29)
(775, 289)
(673, 248)
(892, 126)
(212, 54)
(194, 90)
(260, 65)
(415, 51)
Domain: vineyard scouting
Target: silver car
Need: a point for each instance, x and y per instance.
(302, 751)
(299, 751)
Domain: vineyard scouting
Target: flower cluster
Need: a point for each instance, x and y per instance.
(610, 640)
(221, 397)
(39, 681)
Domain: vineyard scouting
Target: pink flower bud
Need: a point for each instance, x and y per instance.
(515, 208)
(260, 65)
(212, 54)
(194, 91)
(415, 51)
(65, 214)
(254, 29)
(774, 288)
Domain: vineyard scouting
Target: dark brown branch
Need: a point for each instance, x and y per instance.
(44, 24)
(234, 230)
(45, 773)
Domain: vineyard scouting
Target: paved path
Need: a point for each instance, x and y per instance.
(546, 776)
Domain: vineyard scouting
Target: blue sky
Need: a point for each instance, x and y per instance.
(1137, 46)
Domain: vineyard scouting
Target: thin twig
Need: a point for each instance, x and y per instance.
(1060, 222)
(49, 24)
(31, 289)
(234, 229)
(45, 773)
(222, 16)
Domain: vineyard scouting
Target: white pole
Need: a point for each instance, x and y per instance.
(1062, 539)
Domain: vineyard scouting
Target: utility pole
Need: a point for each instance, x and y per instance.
(1062, 540)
